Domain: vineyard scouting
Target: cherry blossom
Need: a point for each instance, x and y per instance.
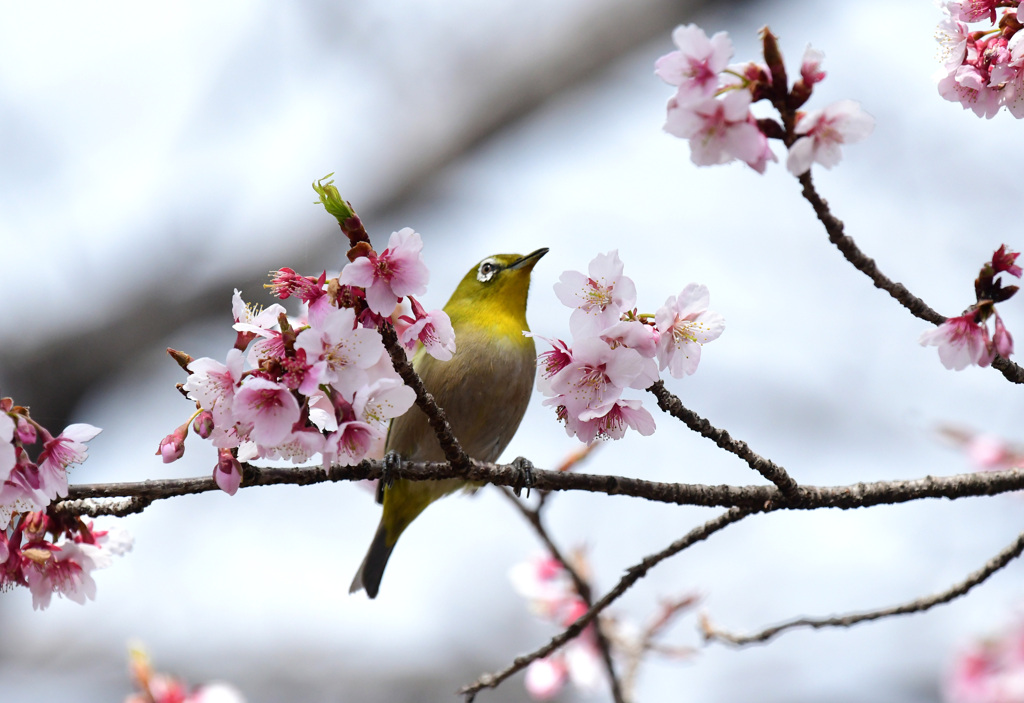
(685, 324)
(598, 374)
(395, 273)
(633, 334)
(694, 68)
(824, 131)
(60, 453)
(989, 671)
(962, 341)
(610, 421)
(599, 298)
(719, 129)
(432, 329)
(810, 66)
(269, 407)
(212, 385)
(340, 352)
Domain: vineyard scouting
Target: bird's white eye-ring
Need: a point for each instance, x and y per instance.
(488, 267)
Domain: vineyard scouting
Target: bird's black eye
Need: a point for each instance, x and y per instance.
(486, 271)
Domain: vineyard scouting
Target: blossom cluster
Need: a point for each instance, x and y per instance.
(615, 348)
(321, 383)
(965, 339)
(154, 687)
(552, 596)
(712, 105)
(982, 69)
(989, 671)
(30, 555)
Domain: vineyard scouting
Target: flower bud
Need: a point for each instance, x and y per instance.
(203, 424)
(172, 447)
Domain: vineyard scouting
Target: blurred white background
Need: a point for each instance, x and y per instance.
(154, 157)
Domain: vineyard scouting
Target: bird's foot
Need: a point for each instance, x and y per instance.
(392, 462)
(524, 479)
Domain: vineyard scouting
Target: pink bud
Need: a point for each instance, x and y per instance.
(172, 447)
(203, 424)
(228, 472)
(26, 431)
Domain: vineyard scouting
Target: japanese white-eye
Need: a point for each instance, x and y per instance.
(484, 390)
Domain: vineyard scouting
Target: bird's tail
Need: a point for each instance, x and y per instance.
(372, 569)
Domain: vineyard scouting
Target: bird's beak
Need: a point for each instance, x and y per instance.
(529, 260)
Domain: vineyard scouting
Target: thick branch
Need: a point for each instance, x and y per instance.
(918, 605)
(860, 495)
(633, 574)
(769, 469)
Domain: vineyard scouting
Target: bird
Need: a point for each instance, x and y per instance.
(483, 389)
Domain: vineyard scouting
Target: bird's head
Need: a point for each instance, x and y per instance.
(495, 289)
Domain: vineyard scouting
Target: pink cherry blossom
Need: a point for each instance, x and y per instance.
(546, 677)
(395, 273)
(599, 298)
(58, 454)
(550, 362)
(952, 38)
(384, 399)
(269, 407)
(350, 443)
(213, 384)
(810, 66)
(432, 329)
(339, 351)
(598, 374)
(989, 671)
(842, 122)
(719, 129)
(633, 334)
(297, 447)
(697, 63)
(685, 325)
(253, 319)
(611, 421)
(962, 341)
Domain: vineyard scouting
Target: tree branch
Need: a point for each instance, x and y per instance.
(582, 588)
(769, 469)
(918, 605)
(860, 495)
(917, 307)
(633, 574)
(435, 415)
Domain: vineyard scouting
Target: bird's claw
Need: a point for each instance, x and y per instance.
(392, 463)
(524, 478)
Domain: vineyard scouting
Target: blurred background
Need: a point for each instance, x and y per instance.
(155, 156)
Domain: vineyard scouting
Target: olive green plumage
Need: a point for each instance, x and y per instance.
(483, 389)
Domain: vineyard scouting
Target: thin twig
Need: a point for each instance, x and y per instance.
(435, 415)
(582, 588)
(918, 605)
(863, 263)
(860, 495)
(769, 469)
(633, 574)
